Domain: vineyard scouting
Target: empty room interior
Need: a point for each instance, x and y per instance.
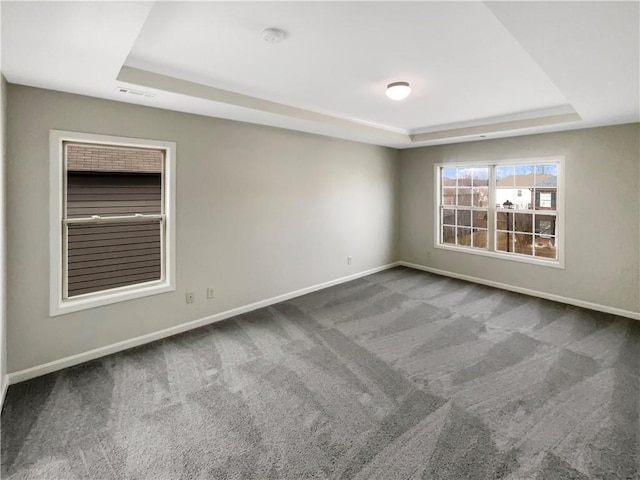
(331, 240)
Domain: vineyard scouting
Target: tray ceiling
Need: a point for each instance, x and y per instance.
(477, 69)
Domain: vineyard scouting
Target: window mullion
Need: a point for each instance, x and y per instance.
(65, 261)
(97, 219)
(491, 215)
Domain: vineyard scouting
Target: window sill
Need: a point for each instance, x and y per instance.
(107, 297)
(504, 256)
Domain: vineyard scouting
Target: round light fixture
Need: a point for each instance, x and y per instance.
(398, 90)
(274, 35)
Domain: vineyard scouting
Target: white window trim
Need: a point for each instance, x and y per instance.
(57, 304)
(560, 226)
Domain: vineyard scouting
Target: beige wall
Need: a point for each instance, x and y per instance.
(260, 212)
(3, 229)
(264, 211)
(602, 185)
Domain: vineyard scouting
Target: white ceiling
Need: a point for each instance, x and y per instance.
(489, 69)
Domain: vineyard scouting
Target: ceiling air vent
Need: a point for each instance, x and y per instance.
(138, 93)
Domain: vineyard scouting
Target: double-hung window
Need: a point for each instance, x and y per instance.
(509, 209)
(464, 206)
(112, 219)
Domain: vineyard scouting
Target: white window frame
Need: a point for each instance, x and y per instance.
(491, 251)
(58, 305)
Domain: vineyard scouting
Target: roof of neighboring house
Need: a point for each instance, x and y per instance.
(517, 181)
(550, 182)
(464, 182)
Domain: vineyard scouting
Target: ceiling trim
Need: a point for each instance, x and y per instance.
(511, 117)
(497, 127)
(157, 81)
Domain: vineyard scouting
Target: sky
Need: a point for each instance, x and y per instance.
(502, 171)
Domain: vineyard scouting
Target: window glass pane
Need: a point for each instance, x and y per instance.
(481, 177)
(98, 176)
(464, 236)
(465, 177)
(481, 196)
(516, 198)
(464, 187)
(545, 224)
(506, 198)
(112, 181)
(479, 238)
(112, 194)
(504, 176)
(464, 196)
(479, 219)
(545, 246)
(524, 222)
(111, 255)
(514, 186)
(449, 176)
(464, 218)
(449, 235)
(524, 176)
(523, 243)
(525, 201)
(545, 198)
(504, 242)
(448, 216)
(547, 175)
(504, 221)
(448, 196)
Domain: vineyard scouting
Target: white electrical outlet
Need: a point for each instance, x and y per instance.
(190, 297)
(349, 260)
(211, 292)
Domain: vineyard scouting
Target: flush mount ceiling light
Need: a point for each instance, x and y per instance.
(274, 35)
(398, 90)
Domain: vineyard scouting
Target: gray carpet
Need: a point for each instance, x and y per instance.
(399, 375)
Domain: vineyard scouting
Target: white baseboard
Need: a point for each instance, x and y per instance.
(72, 360)
(527, 291)
(79, 358)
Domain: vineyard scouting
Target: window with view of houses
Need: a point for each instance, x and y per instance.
(113, 218)
(507, 210)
